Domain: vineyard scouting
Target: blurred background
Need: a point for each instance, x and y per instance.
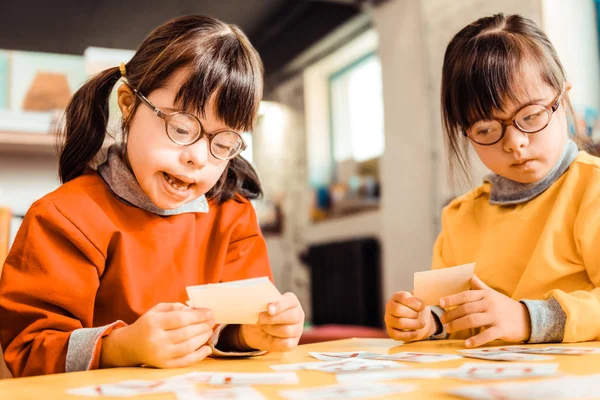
(348, 144)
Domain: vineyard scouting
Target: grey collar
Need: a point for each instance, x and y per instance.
(121, 181)
(505, 192)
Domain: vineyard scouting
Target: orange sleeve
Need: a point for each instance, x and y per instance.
(47, 291)
(247, 255)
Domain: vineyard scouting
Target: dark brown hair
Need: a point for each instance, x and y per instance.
(221, 63)
(481, 75)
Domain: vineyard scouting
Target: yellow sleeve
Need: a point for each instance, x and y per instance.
(582, 307)
(442, 257)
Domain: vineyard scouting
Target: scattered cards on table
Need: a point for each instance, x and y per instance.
(353, 391)
(553, 350)
(503, 356)
(125, 388)
(340, 366)
(569, 387)
(235, 302)
(404, 356)
(186, 382)
(491, 371)
(376, 376)
(467, 371)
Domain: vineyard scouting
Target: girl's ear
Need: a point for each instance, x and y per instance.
(125, 100)
(569, 86)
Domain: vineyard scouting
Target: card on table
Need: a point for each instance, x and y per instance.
(492, 371)
(404, 356)
(431, 286)
(562, 350)
(254, 378)
(126, 388)
(409, 356)
(376, 376)
(345, 365)
(236, 302)
(337, 355)
(354, 391)
(502, 356)
(569, 387)
(186, 382)
(234, 393)
(553, 350)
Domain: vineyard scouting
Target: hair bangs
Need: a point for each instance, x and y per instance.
(489, 79)
(229, 75)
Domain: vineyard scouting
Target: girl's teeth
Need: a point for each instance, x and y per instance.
(175, 185)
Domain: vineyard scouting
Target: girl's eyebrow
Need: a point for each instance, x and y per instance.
(534, 101)
(530, 102)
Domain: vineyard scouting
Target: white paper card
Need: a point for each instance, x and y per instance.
(234, 393)
(431, 286)
(569, 387)
(354, 391)
(376, 376)
(236, 302)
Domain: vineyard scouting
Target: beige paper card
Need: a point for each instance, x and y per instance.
(431, 286)
(236, 302)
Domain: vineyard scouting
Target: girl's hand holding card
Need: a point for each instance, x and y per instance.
(408, 319)
(279, 328)
(169, 335)
(482, 307)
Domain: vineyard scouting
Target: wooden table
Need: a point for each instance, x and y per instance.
(52, 387)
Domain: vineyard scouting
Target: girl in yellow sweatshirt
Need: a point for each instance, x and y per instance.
(98, 272)
(533, 226)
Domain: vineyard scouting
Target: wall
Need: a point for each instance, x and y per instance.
(25, 178)
(572, 28)
(279, 142)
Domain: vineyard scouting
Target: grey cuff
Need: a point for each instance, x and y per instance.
(547, 320)
(82, 346)
(440, 332)
(214, 340)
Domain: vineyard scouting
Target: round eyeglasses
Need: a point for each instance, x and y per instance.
(186, 129)
(531, 118)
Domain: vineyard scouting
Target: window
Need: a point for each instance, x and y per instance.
(356, 107)
(345, 128)
(247, 154)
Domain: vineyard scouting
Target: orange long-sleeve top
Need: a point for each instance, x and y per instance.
(83, 258)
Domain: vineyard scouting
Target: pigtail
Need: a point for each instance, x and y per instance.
(85, 128)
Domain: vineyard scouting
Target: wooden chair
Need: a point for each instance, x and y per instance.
(5, 218)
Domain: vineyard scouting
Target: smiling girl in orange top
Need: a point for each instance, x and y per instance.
(97, 274)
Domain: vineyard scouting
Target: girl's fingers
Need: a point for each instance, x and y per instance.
(283, 331)
(188, 346)
(175, 336)
(190, 358)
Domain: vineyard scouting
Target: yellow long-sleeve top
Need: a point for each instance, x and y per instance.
(546, 248)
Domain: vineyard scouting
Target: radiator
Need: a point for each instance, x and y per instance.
(346, 282)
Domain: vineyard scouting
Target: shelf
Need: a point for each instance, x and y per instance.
(362, 224)
(32, 143)
(27, 143)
